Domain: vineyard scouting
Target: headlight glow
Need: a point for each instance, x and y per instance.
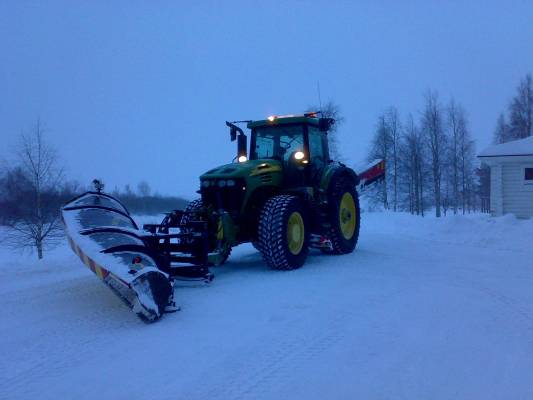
(243, 159)
(299, 155)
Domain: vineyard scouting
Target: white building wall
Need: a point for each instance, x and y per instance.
(517, 197)
(496, 190)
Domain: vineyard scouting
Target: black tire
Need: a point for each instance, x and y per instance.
(342, 241)
(278, 251)
(196, 206)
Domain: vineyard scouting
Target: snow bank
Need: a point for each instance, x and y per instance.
(481, 230)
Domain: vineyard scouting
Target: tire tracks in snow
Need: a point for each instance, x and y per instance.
(459, 276)
(273, 370)
(510, 304)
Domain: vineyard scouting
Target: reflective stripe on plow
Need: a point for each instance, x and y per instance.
(92, 266)
(98, 270)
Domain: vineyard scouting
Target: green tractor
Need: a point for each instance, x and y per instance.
(285, 195)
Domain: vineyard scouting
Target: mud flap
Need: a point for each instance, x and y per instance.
(102, 233)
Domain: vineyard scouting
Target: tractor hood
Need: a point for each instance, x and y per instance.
(243, 170)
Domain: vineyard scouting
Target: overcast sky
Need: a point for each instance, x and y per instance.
(132, 91)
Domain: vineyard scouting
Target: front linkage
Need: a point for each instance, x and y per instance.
(189, 237)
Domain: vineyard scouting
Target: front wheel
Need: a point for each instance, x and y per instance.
(283, 235)
(194, 211)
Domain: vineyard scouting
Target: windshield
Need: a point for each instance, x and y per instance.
(278, 142)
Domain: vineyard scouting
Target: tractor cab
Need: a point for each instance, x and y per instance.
(298, 142)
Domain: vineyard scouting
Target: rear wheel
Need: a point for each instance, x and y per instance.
(344, 217)
(283, 235)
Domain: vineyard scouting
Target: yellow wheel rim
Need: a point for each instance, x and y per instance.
(347, 216)
(295, 233)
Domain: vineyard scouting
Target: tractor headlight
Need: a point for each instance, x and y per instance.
(243, 159)
(230, 182)
(205, 184)
(222, 183)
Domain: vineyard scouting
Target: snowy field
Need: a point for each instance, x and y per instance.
(424, 309)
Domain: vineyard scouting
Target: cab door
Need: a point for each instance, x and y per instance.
(319, 154)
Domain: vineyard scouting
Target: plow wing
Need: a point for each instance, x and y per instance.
(371, 173)
(102, 233)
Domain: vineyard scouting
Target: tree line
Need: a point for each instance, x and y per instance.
(430, 160)
(143, 201)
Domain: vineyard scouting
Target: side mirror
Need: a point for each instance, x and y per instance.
(233, 130)
(242, 146)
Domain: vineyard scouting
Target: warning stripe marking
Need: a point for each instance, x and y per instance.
(96, 268)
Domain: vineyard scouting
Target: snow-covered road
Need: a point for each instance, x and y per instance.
(424, 309)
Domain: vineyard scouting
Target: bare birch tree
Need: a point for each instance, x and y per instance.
(432, 127)
(456, 125)
(37, 224)
(413, 153)
(381, 149)
(393, 126)
(466, 162)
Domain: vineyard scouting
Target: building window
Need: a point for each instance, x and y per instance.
(528, 175)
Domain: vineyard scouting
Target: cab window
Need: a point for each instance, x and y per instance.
(277, 142)
(317, 148)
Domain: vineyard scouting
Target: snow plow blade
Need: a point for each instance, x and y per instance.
(102, 233)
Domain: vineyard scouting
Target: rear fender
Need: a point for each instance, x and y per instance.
(333, 172)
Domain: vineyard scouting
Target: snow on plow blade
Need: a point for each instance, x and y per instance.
(107, 240)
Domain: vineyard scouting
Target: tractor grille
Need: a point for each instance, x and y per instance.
(266, 178)
(228, 197)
